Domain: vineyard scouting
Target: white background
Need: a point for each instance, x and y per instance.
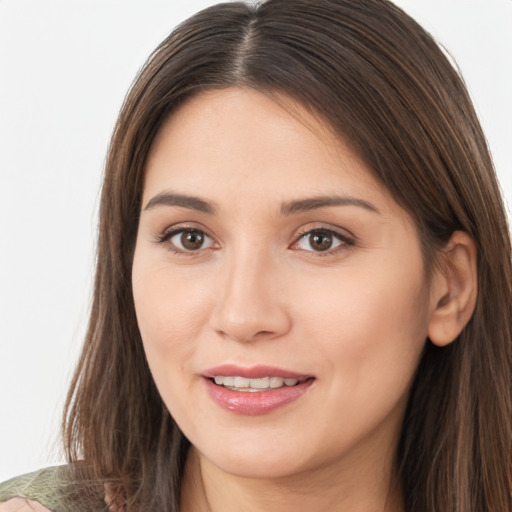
(65, 66)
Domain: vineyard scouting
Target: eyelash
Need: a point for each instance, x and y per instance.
(345, 242)
(166, 236)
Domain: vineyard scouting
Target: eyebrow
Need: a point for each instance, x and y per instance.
(190, 202)
(313, 203)
(288, 208)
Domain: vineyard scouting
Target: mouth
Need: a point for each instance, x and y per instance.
(256, 390)
(244, 384)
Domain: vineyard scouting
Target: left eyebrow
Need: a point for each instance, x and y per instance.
(313, 203)
(185, 201)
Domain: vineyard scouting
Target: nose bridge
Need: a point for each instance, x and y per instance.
(249, 304)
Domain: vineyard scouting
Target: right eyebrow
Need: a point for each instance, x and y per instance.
(313, 203)
(185, 201)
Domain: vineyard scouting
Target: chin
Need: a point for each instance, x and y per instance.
(260, 455)
(258, 465)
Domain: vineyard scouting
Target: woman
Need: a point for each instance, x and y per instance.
(303, 288)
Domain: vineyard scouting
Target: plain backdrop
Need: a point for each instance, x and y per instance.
(65, 66)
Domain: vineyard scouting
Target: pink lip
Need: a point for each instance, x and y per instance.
(253, 372)
(254, 403)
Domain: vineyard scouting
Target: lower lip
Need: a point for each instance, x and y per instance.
(255, 403)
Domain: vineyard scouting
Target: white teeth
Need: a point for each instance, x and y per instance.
(276, 382)
(241, 382)
(244, 384)
(228, 381)
(260, 383)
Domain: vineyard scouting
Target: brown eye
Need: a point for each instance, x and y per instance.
(321, 240)
(190, 240)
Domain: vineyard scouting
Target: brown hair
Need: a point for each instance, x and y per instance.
(381, 82)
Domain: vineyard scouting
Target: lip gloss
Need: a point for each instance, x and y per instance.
(253, 403)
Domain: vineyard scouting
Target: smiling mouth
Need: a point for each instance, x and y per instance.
(255, 390)
(237, 383)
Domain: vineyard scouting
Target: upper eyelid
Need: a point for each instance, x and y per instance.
(341, 232)
(303, 230)
(176, 228)
(164, 237)
(348, 241)
(343, 238)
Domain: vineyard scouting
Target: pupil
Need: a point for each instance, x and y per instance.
(321, 241)
(192, 240)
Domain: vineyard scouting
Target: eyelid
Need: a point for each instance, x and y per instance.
(164, 237)
(348, 239)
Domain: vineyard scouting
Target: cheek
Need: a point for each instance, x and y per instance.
(368, 335)
(370, 325)
(171, 311)
(368, 299)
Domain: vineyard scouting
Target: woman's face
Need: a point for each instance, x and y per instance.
(266, 251)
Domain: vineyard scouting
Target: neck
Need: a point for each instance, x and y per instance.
(335, 488)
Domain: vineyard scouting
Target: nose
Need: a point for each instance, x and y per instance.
(251, 303)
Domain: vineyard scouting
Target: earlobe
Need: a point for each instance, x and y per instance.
(454, 289)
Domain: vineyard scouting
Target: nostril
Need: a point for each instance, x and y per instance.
(262, 334)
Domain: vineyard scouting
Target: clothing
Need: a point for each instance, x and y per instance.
(57, 489)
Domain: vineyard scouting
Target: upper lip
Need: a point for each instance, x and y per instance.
(253, 372)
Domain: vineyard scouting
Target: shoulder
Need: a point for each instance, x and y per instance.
(22, 505)
(59, 488)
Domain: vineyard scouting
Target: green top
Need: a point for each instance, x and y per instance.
(57, 489)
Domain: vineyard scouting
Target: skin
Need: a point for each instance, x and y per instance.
(22, 505)
(258, 291)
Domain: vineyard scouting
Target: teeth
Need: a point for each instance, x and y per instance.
(243, 384)
(276, 382)
(228, 381)
(260, 383)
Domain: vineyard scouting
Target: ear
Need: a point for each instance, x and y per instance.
(454, 289)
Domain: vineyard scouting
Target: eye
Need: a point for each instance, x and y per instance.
(187, 240)
(321, 240)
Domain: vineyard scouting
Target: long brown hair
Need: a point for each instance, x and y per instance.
(385, 87)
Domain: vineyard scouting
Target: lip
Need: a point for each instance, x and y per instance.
(252, 372)
(257, 403)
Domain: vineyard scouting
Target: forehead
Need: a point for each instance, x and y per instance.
(237, 143)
